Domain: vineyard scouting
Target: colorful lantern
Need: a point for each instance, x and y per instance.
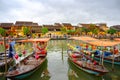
(16, 56)
(6, 46)
(37, 56)
(24, 52)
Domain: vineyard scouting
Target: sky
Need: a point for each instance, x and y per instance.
(61, 11)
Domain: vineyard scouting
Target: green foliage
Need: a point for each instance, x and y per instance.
(70, 31)
(92, 27)
(78, 30)
(26, 30)
(95, 31)
(2, 32)
(85, 30)
(63, 30)
(111, 31)
(44, 30)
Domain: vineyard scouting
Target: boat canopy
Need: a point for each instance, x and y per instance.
(96, 42)
(35, 40)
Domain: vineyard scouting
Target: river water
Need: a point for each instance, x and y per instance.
(58, 67)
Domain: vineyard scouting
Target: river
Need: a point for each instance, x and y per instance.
(57, 66)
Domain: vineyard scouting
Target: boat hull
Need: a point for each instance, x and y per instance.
(26, 74)
(108, 61)
(88, 70)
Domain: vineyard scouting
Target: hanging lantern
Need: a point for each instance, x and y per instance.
(92, 55)
(24, 52)
(43, 52)
(7, 46)
(16, 56)
(37, 57)
(19, 54)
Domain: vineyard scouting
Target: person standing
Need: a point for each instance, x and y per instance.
(11, 48)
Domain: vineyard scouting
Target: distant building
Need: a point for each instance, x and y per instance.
(34, 27)
(6, 26)
(116, 27)
(100, 26)
(68, 26)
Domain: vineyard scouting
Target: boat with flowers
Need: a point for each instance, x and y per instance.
(28, 63)
(103, 50)
(86, 63)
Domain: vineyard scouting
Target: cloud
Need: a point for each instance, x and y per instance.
(51, 11)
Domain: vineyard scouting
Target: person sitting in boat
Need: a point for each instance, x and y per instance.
(11, 49)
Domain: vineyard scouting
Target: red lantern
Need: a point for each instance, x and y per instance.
(24, 52)
(43, 52)
(6, 46)
(37, 57)
(1, 43)
(16, 56)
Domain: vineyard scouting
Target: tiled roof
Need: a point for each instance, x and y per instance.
(67, 24)
(34, 24)
(22, 23)
(117, 27)
(6, 24)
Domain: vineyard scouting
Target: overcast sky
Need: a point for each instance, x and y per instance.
(51, 11)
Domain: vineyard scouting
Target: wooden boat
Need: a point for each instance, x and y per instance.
(93, 67)
(114, 58)
(78, 74)
(27, 66)
(109, 59)
(2, 61)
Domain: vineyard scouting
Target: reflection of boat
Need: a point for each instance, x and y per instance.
(79, 61)
(28, 65)
(74, 73)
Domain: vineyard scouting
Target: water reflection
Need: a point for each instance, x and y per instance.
(78, 74)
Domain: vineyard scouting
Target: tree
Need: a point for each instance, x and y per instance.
(111, 32)
(78, 31)
(2, 32)
(70, 31)
(26, 31)
(44, 30)
(95, 31)
(84, 29)
(63, 30)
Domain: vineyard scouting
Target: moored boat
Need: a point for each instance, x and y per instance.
(26, 68)
(86, 64)
(27, 65)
